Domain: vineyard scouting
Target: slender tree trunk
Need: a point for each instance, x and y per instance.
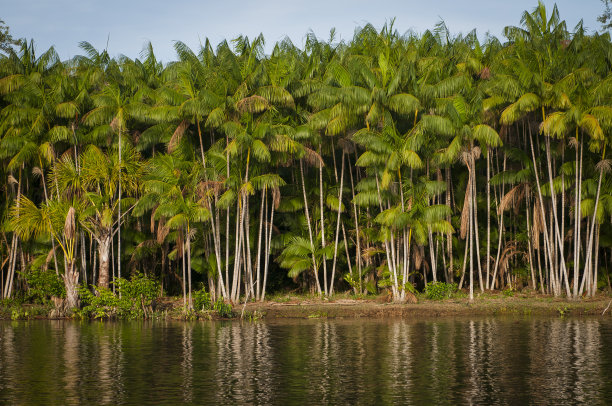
(323, 259)
(488, 218)
(554, 210)
(119, 211)
(188, 238)
(268, 245)
(314, 264)
(259, 234)
(331, 289)
(547, 244)
(589, 251)
(357, 238)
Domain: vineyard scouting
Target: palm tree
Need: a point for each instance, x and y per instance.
(59, 219)
(115, 105)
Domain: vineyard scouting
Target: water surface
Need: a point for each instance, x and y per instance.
(439, 361)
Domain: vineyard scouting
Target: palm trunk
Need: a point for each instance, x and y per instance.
(357, 239)
(547, 244)
(119, 212)
(104, 244)
(314, 264)
(488, 218)
(71, 283)
(331, 289)
(188, 238)
(554, 210)
(323, 259)
(258, 257)
(589, 251)
(475, 220)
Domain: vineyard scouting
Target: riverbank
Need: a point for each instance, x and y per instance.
(345, 306)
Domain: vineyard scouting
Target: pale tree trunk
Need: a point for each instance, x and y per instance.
(357, 239)
(470, 237)
(589, 251)
(259, 234)
(268, 245)
(188, 237)
(547, 243)
(596, 266)
(227, 221)
(8, 288)
(119, 212)
(314, 264)
(323, 259)
(554, 210)
(389, 252)
(104, 244)
(71, 283)
(331, 289)
(475, 220)
(488, 219)
(449, 236)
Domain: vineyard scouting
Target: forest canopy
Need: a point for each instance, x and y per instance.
(380, 163)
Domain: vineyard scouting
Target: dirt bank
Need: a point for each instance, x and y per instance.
(351, 308)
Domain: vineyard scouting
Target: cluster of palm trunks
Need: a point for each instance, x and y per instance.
(383, 162)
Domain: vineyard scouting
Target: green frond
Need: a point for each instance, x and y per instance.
(486, 135)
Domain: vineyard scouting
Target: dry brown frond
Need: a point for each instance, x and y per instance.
(538, 224)
(512, 199)
(162, 231)
(177, 135)
(604, 165)
(312, 158)
(70, 224)
(465, 212)
(276, 197)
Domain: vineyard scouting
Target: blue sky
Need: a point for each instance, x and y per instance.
(128, 24)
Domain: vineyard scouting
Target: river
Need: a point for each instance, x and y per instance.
(485, 361)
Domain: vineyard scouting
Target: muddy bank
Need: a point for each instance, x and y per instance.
(296, 307)
(347, 308)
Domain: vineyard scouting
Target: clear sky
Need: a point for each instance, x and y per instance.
(130, 23)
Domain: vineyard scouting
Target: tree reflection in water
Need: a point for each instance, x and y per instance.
(437, 361)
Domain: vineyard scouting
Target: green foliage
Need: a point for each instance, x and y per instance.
(43, 284)
(133, 299)
(508, 292)
(202, 299)
(440, 290)
(224, 310)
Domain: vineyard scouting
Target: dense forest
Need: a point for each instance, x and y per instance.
(380, 163)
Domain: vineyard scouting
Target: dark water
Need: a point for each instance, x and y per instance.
(344, 362)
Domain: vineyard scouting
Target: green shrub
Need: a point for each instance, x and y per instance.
(202, 300)
(223, 309)
(132, 300)
(508, 292)
(440, 290)
(43, 285)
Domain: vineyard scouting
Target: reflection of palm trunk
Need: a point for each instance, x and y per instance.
(71, 360)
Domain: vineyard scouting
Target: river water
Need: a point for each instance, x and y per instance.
(486, 361)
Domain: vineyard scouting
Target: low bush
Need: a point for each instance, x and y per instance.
(440, 290)
(43, 285)
(133, 299)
